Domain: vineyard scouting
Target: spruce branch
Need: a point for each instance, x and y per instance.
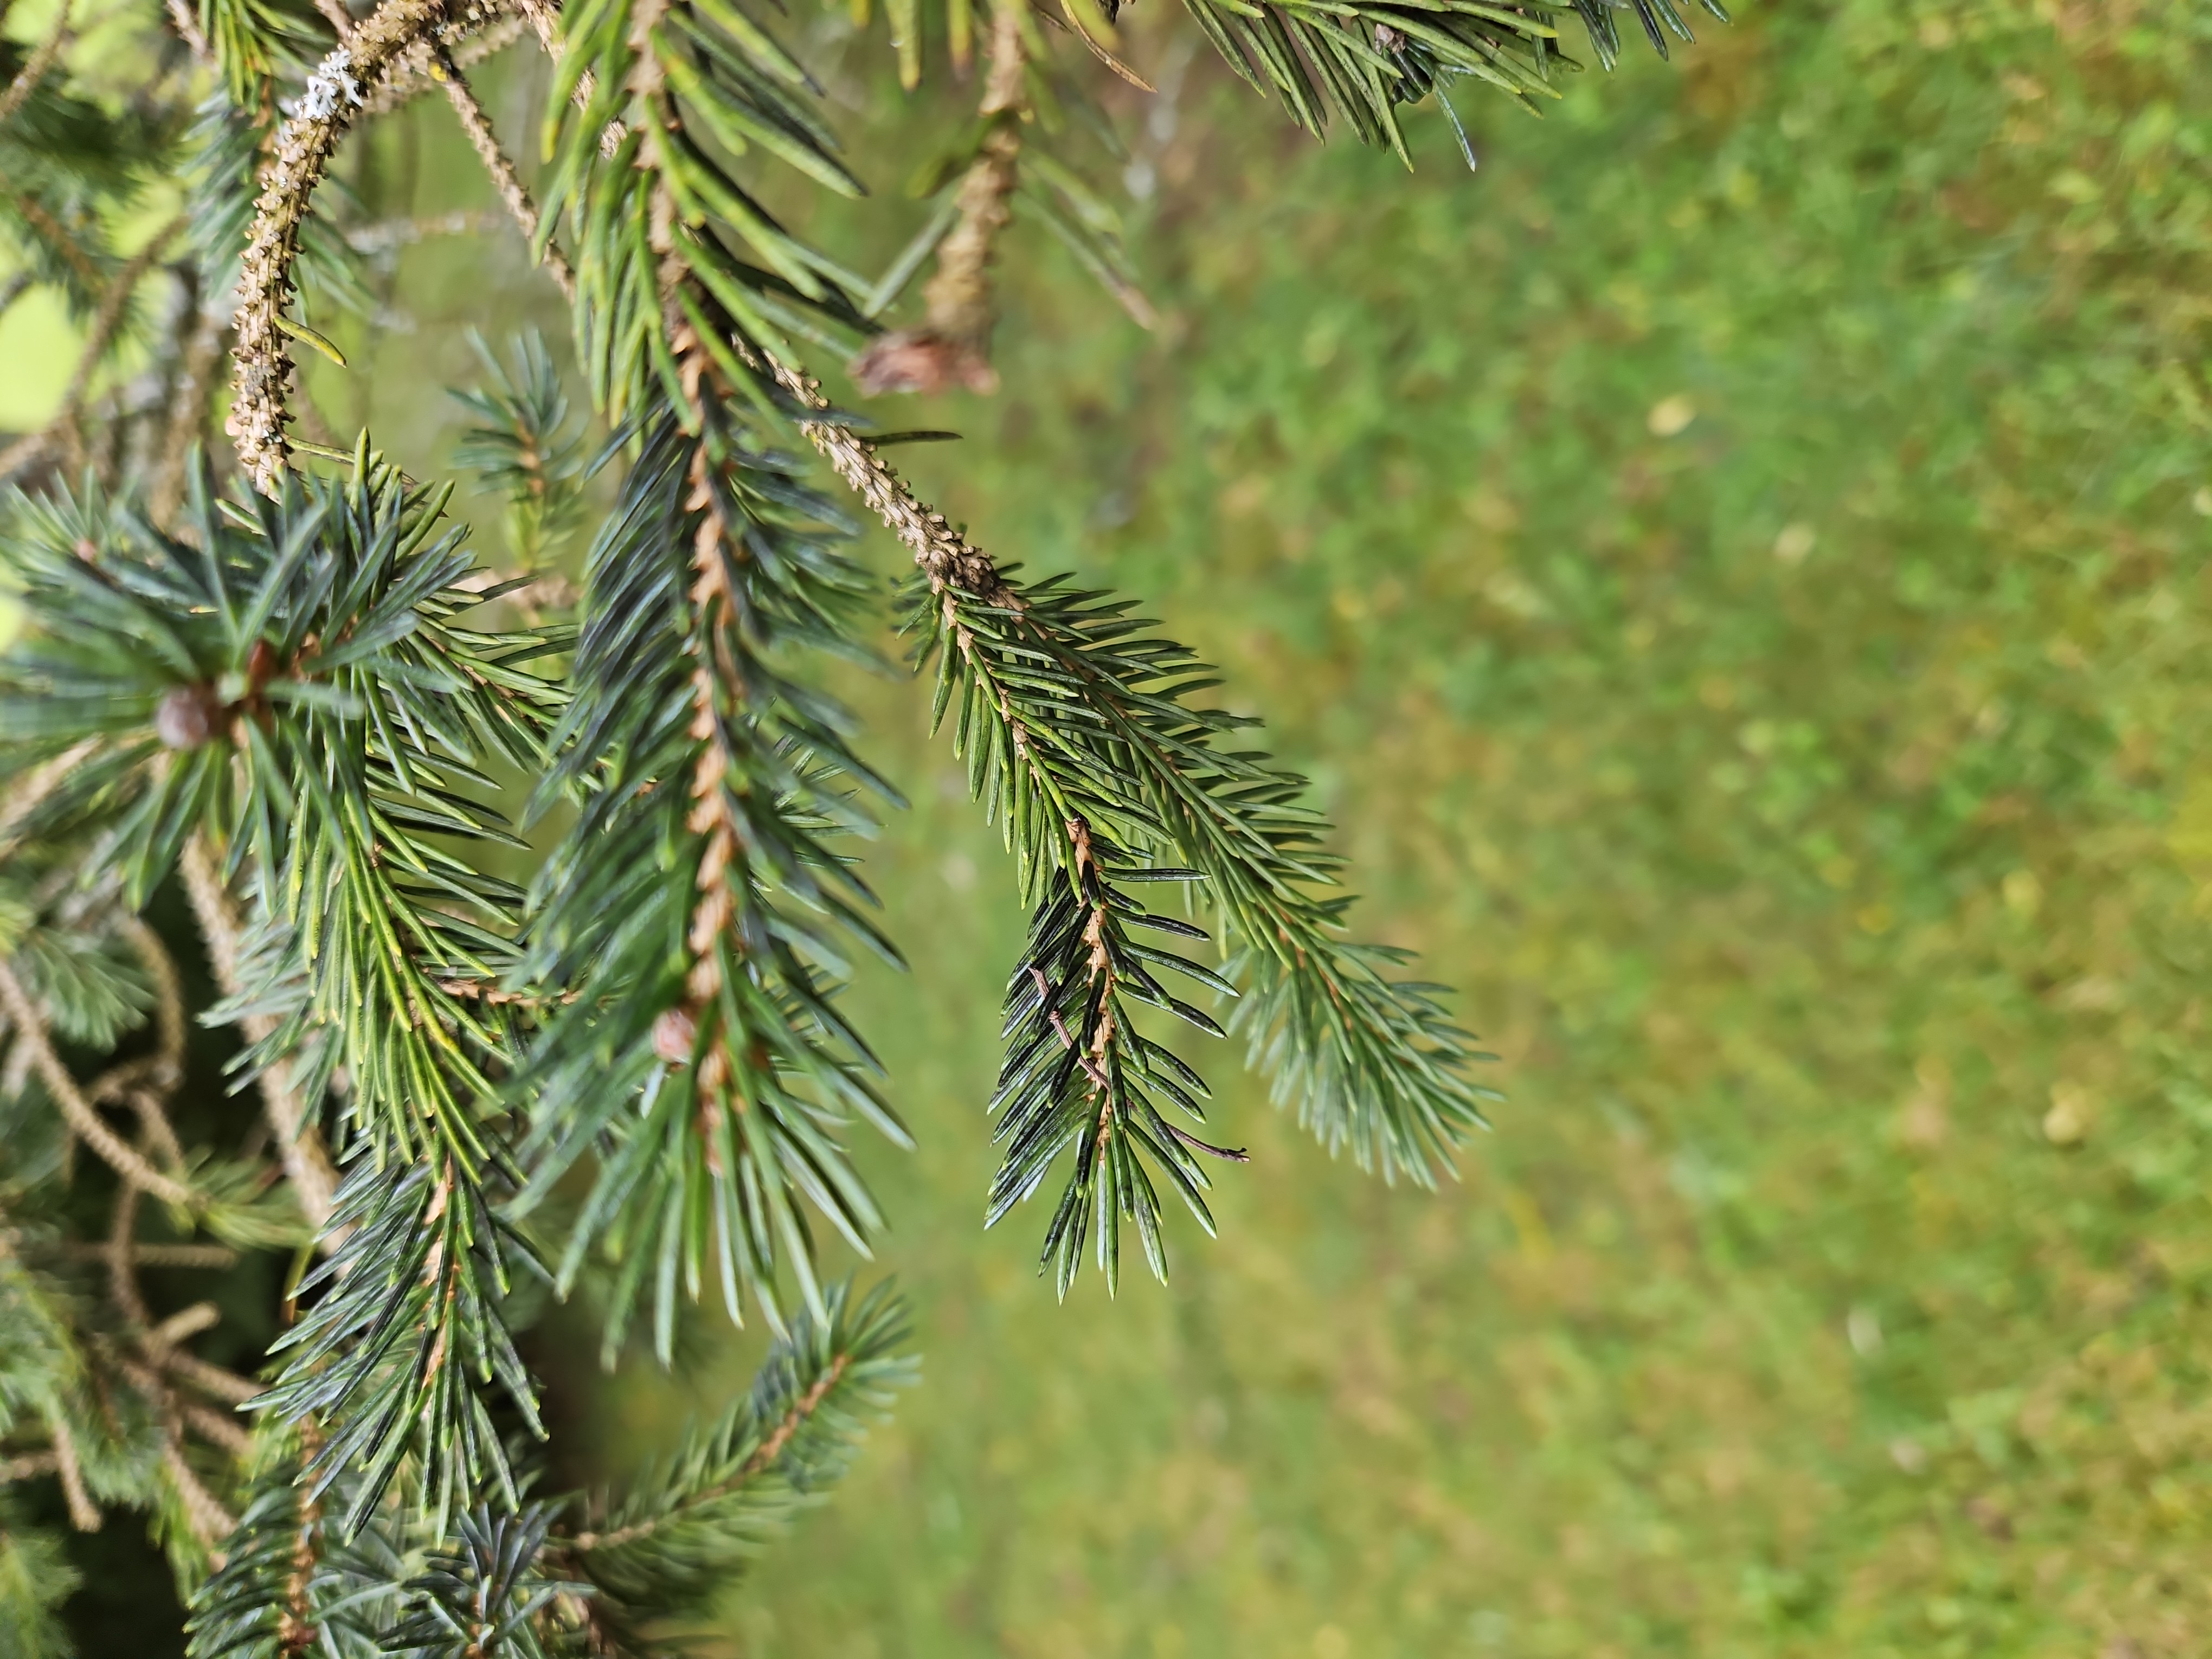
(1049, 678)
(1079, 1076)
(684, 912)
(731, 1485)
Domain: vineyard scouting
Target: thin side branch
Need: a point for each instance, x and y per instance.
(314, 1182)
(31, 1029)
(953, 346)
(42, 59)
(504, 178)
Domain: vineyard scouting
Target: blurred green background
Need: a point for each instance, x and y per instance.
(1734, 567)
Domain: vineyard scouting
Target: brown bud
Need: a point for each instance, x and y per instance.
(674, 1034)
(921, 360)
(184, 718)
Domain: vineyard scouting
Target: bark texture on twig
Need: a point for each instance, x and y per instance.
(504, 178)
(301, 154)
(953, 346)
(314, 1182)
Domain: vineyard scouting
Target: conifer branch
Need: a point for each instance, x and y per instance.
(1369, 1061)
(478, 125)
(301, 154)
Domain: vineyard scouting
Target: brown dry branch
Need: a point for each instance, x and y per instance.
(84, 1516)
(186, 20)
(29, 1467)
(42, 59)
(83, 1119)
(215, 1256)
(504, 178)
(953, 346)
(299, 1144)
(411, 77)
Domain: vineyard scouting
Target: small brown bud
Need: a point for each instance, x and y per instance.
(674, 1034)
(184, 718)
(921, 360)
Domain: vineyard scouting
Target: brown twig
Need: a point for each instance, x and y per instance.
(42, 59)
(29, 1467)
(31, 1028)
(504, 178)
(314, 1182)
(186, 22)
(215, 1256)
(953, 346)
(942, 552)
(84, 1515)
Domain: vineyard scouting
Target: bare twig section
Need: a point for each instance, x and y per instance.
(214, 1257)
(211, 1523)
(112, 307)
(41, 60)
(301, 154)
(314, 1182)
(217, 1427)
(953, 346)
(31, 1029)
(944, 554)
(504, 178)
(84, 1516)
(212, 1378)
(29, 1466)
(411, 77)
(186, 22)
(188, 416)
(31, 792)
